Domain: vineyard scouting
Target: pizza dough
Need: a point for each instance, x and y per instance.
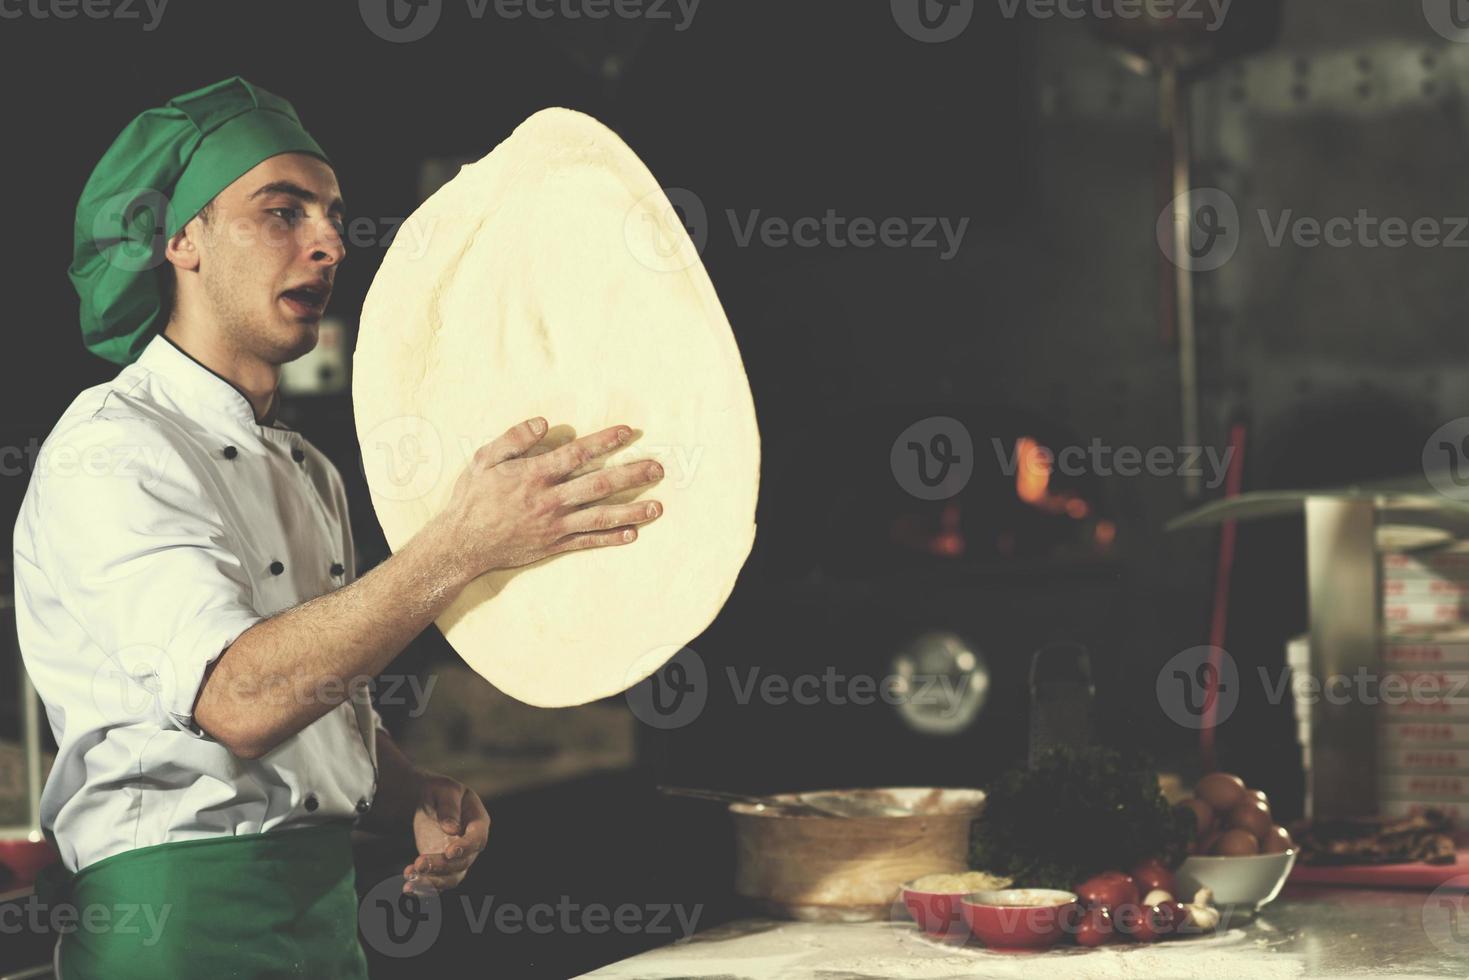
(553, 278)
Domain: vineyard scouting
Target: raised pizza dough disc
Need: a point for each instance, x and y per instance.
(553, 278)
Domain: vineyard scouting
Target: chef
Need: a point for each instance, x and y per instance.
(186, 590)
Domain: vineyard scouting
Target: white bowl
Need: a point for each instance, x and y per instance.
(1248, 882)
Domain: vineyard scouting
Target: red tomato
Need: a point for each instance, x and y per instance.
(1175, 911)
(1128, 919)
(1153, 873)
(1112, 888)
(1157, 922)
(1096, 927)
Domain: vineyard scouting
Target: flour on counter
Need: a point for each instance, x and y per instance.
(883, 951)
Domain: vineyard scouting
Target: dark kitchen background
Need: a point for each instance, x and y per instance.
(1053, 324)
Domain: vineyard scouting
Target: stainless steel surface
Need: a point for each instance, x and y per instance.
(1341, 571)
(1424, 505)
(1308, 932)
(1353, 90)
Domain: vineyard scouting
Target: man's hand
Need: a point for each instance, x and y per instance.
(450, 828)
(509, 510)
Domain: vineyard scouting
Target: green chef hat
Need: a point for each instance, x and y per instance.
(156, 176)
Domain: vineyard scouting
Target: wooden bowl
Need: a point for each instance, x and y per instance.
(850, 869)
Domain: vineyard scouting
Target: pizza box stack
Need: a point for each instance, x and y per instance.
(1423, 706)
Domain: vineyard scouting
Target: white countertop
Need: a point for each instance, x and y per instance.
(1309, 933)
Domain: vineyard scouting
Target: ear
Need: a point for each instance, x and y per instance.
(183, 248)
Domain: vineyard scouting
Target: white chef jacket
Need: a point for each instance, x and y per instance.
(160, 523)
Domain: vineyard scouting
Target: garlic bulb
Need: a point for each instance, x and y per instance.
(1201, 913)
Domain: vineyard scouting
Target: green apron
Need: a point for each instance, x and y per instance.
(252, 907)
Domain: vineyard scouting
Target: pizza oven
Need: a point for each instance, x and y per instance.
(875, 632)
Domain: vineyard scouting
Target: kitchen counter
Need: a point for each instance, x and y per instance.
(1308, 932)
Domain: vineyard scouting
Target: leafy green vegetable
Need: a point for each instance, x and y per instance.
(1076, 813)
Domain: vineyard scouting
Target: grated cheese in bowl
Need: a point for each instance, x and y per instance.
(960, 884)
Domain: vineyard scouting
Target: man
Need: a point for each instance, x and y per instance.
(186, 593)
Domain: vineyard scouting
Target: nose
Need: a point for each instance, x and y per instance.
(325, 244)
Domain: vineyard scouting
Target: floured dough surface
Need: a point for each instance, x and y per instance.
(553, 278)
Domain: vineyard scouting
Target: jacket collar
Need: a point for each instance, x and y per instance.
(198, 386)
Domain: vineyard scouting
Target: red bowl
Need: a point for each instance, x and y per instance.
(937, 913)
(1021, 918)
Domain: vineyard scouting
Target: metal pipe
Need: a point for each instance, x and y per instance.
(1174, 104)
(31, 722)
(30, 733)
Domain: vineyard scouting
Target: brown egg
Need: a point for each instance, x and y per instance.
(1236, 843)
(1252, 815)
(1259, 794)
(1221, 791)
(1203, 815)
(1276, 840)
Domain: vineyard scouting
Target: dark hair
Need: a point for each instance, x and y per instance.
(168, 275)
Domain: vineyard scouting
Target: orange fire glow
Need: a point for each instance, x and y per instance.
(1033, 482)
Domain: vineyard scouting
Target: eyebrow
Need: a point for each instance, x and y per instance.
(300, 193)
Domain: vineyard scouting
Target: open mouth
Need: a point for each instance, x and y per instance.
(307, 300)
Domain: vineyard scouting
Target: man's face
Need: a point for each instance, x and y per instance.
(268, 255)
